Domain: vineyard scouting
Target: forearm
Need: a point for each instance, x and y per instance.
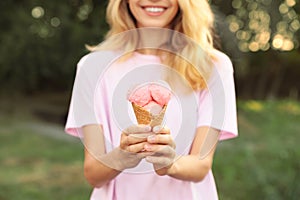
(101, 167)
(97, 169)
(190, 168)
(97, 172)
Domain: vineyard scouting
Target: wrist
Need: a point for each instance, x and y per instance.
(173, 169)
(170, 170)
(112, 160)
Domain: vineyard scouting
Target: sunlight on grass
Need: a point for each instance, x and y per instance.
(254, 105)
(290, 107)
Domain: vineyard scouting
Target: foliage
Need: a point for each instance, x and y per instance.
(42, 41)
(264, 24)
(263, 41)
(262, 163)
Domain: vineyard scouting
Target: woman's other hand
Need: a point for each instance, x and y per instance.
(162, 145)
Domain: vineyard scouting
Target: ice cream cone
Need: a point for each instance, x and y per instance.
(158, 119)
(143, 116)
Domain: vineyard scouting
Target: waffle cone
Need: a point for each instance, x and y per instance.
(145, 117)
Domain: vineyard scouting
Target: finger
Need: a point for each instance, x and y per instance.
(161, 129)
(128, 140)
(144, 154)
(123, 141)
(160, 149)
(161, 139)
(141, 135)
(137, 129)
(132, 139)
(136, 148)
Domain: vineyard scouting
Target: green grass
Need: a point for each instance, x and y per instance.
(262, 163)
(35, 166)
(38, 167)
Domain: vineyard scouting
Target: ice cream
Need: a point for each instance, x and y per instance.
(149, 102)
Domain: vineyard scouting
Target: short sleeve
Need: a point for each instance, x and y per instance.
(217, 103)
(87, 86)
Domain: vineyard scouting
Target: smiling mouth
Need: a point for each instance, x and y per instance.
(154, 9)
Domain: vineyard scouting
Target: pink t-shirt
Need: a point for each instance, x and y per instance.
(99, 97)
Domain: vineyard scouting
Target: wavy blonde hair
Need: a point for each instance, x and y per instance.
(194, 19)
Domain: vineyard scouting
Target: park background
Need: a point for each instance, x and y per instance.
(40, 44)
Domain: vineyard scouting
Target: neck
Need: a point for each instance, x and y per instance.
(152, 39)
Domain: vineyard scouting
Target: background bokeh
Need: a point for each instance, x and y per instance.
(41, 43)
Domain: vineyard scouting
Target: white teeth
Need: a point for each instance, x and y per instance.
(154, 9)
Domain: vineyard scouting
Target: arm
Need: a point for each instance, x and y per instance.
(189, 167)
(101, 167)
(96, 173)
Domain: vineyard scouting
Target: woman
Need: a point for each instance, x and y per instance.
(154, 39)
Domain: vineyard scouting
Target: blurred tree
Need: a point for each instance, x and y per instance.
(264, 31)
(41, 41)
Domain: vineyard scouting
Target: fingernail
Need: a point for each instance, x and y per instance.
(151, 138)
(156, 129)
(147, 128)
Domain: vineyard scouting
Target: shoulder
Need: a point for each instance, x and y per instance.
(222, 69)
(97, 59)
(221, 61)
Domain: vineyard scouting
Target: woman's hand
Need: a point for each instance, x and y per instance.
(100, 166)
(162, 145)
(131, 149)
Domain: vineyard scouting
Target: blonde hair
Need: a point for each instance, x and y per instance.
(194, 19)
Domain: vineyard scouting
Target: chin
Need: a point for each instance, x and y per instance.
(154, 26)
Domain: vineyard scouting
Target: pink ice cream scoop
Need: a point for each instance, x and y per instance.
(160, 94)
(141, 96)
(151, 96)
